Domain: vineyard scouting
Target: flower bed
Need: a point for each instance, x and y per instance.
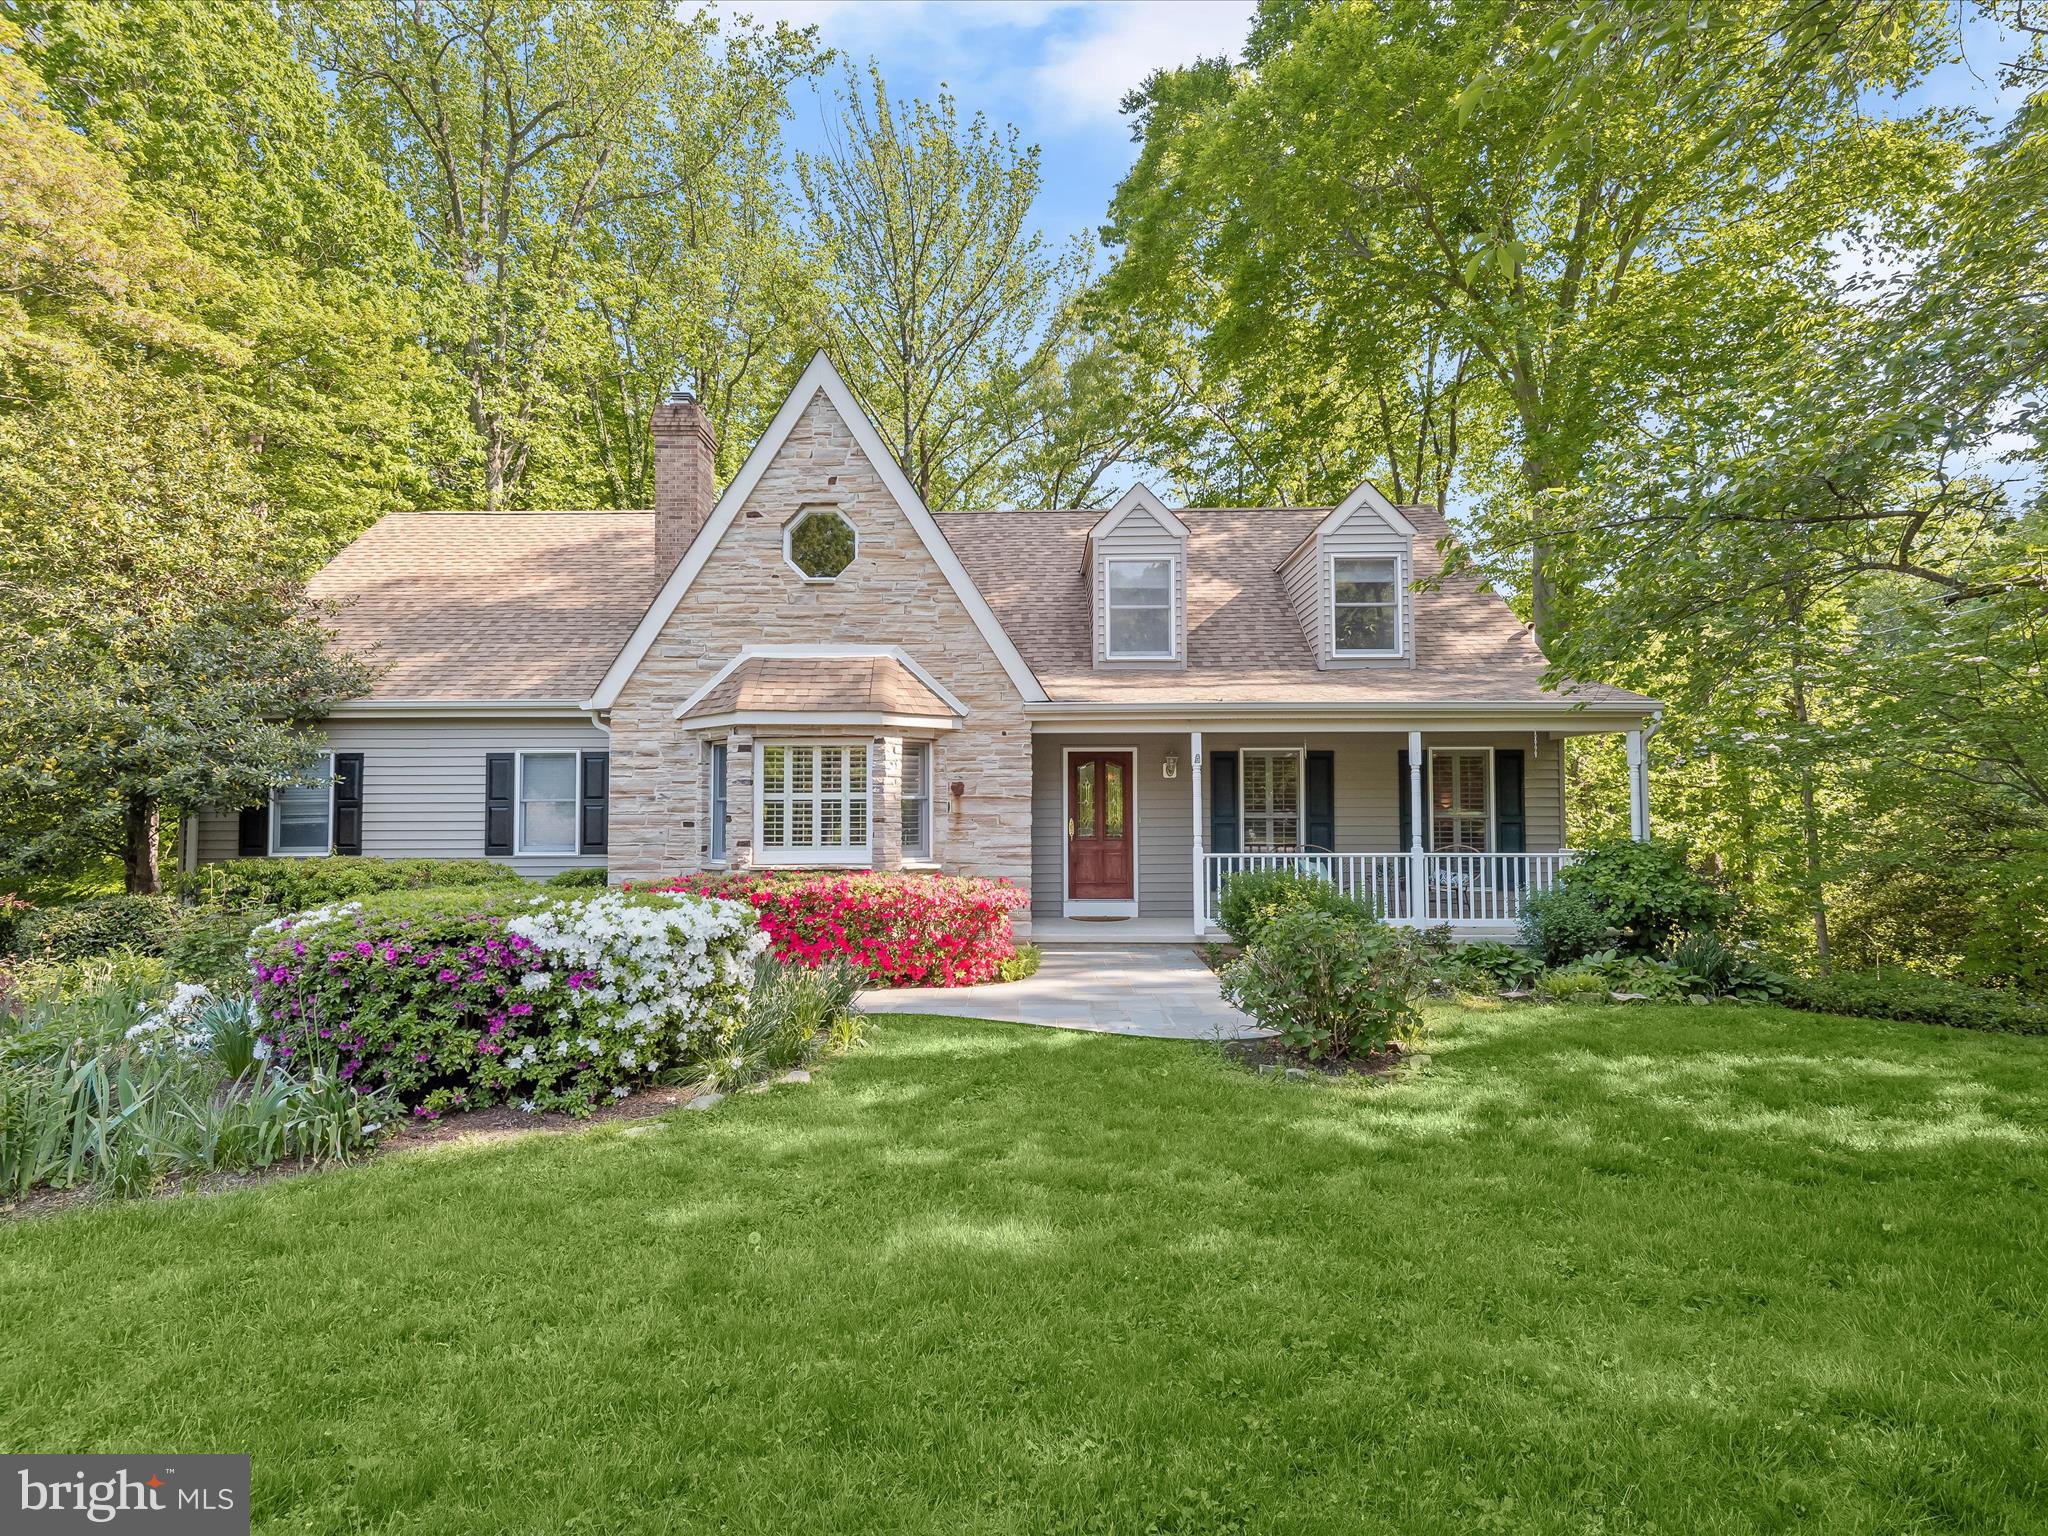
(901, 930)
(457, 1002)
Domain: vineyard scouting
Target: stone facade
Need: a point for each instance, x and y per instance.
(893, 594)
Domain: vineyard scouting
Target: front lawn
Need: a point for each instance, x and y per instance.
(1673, 1269)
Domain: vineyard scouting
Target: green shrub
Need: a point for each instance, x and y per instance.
(1564, 924)
(1491, 962)
(793, 1013)
(1917, 999)
(212, 947)
(138, 923)
(1328, 984)
(12, 910)
(1022, 964)
(297, 885)
(1258, 897)
(116, 984)
(579, 879)
(1646, 891)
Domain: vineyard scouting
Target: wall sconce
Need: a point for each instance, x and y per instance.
(1171, 767)
(957, 789)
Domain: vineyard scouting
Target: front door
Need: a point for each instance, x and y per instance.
(1099, 826)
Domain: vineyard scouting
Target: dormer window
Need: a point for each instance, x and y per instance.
(1366, 594)
(1140, 610)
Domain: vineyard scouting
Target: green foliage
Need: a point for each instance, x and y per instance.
(119, 982)
(1022, 964)
(1918, 999)
(1646, 890)
(580, 879)
(1253, 900)
(143, 924)
(12, 910)
(794, 1013)
(1493, 963)
(1327, 983)
(211, 947)
(293, 885)
(1564, 923)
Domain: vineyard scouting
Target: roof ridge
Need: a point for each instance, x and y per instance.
(522, 512)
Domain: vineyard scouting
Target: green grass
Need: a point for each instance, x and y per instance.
(1683, 1270)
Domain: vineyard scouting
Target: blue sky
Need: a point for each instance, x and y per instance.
(1059, 68)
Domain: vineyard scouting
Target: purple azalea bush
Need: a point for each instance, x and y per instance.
(547, 1003)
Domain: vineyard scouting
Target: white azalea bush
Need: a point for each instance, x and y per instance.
(455, 1001)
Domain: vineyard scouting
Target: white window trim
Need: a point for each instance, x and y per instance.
(1300, 755)
(803, 514)
(861, 857)
(1400, 609)
(1429, 797)
(306, 853)
(1172, 651)
(929, 852)
(1090, 906)
(717, 787)
(519, 848)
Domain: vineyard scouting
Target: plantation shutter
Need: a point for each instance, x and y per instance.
(252, 836)
(1401, 799)
(595, 798)
(1510, 821)
(499, 773)
(1319, 797)
(348, 802)
(1223, 802)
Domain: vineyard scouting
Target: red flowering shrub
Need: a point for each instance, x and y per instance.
(901, 930)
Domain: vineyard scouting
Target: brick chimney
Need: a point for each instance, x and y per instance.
(685, 475)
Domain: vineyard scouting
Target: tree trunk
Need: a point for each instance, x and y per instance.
(1538, 478)
(1816, 892)
(140, 828)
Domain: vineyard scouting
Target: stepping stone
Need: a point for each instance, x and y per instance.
(1300, 1074)
(707, 1100)
(799, 1075)
(1629, 997)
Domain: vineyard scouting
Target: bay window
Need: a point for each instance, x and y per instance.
(916, 804)
(717, 846)
(812, 799)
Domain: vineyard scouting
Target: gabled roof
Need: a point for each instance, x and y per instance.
(1139, 498)
(472, 606)
(864, 685)
(1367, 495)
(819, 378)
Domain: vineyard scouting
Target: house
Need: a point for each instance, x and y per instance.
(1116, 710)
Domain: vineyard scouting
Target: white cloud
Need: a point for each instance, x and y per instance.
(1085, 72)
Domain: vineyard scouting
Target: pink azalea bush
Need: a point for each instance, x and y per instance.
(900, 929)
(455, 1003)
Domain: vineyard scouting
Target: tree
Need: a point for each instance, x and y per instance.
(155, 648)
(941, 285)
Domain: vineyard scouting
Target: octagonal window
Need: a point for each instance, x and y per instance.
(819, 543)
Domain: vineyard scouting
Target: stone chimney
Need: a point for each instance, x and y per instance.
(685, 476)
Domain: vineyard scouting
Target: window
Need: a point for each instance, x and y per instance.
(302, 815)
(1140, 609)
(1367, 594)
(547, 802)
(814, 802)
(917, 800)
(1269, 791)
(718, 801)
(820, 543)
(1459, 801)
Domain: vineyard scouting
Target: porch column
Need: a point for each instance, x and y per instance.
(1201, 874)
(1638, 789)
(1415, 844)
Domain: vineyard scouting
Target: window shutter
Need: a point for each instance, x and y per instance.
(1510, 821)
(499, 773)
(1319, 796)
(252, 839)
(1401, 799)
(1223, 802)
(348, 802)
(596, 797)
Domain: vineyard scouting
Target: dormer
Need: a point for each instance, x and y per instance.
(1348, 582)
(1138, 573)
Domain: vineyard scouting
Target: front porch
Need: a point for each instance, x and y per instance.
(1137, 834)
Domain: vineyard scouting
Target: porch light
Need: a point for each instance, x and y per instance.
(1171, 767)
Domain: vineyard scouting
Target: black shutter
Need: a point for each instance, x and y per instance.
(1510, 821)
(499, 772)
(596, 795)
(1223, 802)
(1320, 794)
(1401, 799)
(348, 802)
(252, 838)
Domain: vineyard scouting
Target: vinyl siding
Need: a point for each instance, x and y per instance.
(423, 787)
(1310, 591)
(1140, 536)
(1164, 820)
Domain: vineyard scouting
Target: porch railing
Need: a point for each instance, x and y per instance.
(1466, 890)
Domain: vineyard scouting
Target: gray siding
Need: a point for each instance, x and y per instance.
(1309, 589)
(1163, 815)
(1140, 536)
(423, 787)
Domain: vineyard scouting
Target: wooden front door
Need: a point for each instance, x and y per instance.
(1099, 826)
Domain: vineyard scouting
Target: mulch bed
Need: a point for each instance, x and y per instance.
(1269, 1055)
